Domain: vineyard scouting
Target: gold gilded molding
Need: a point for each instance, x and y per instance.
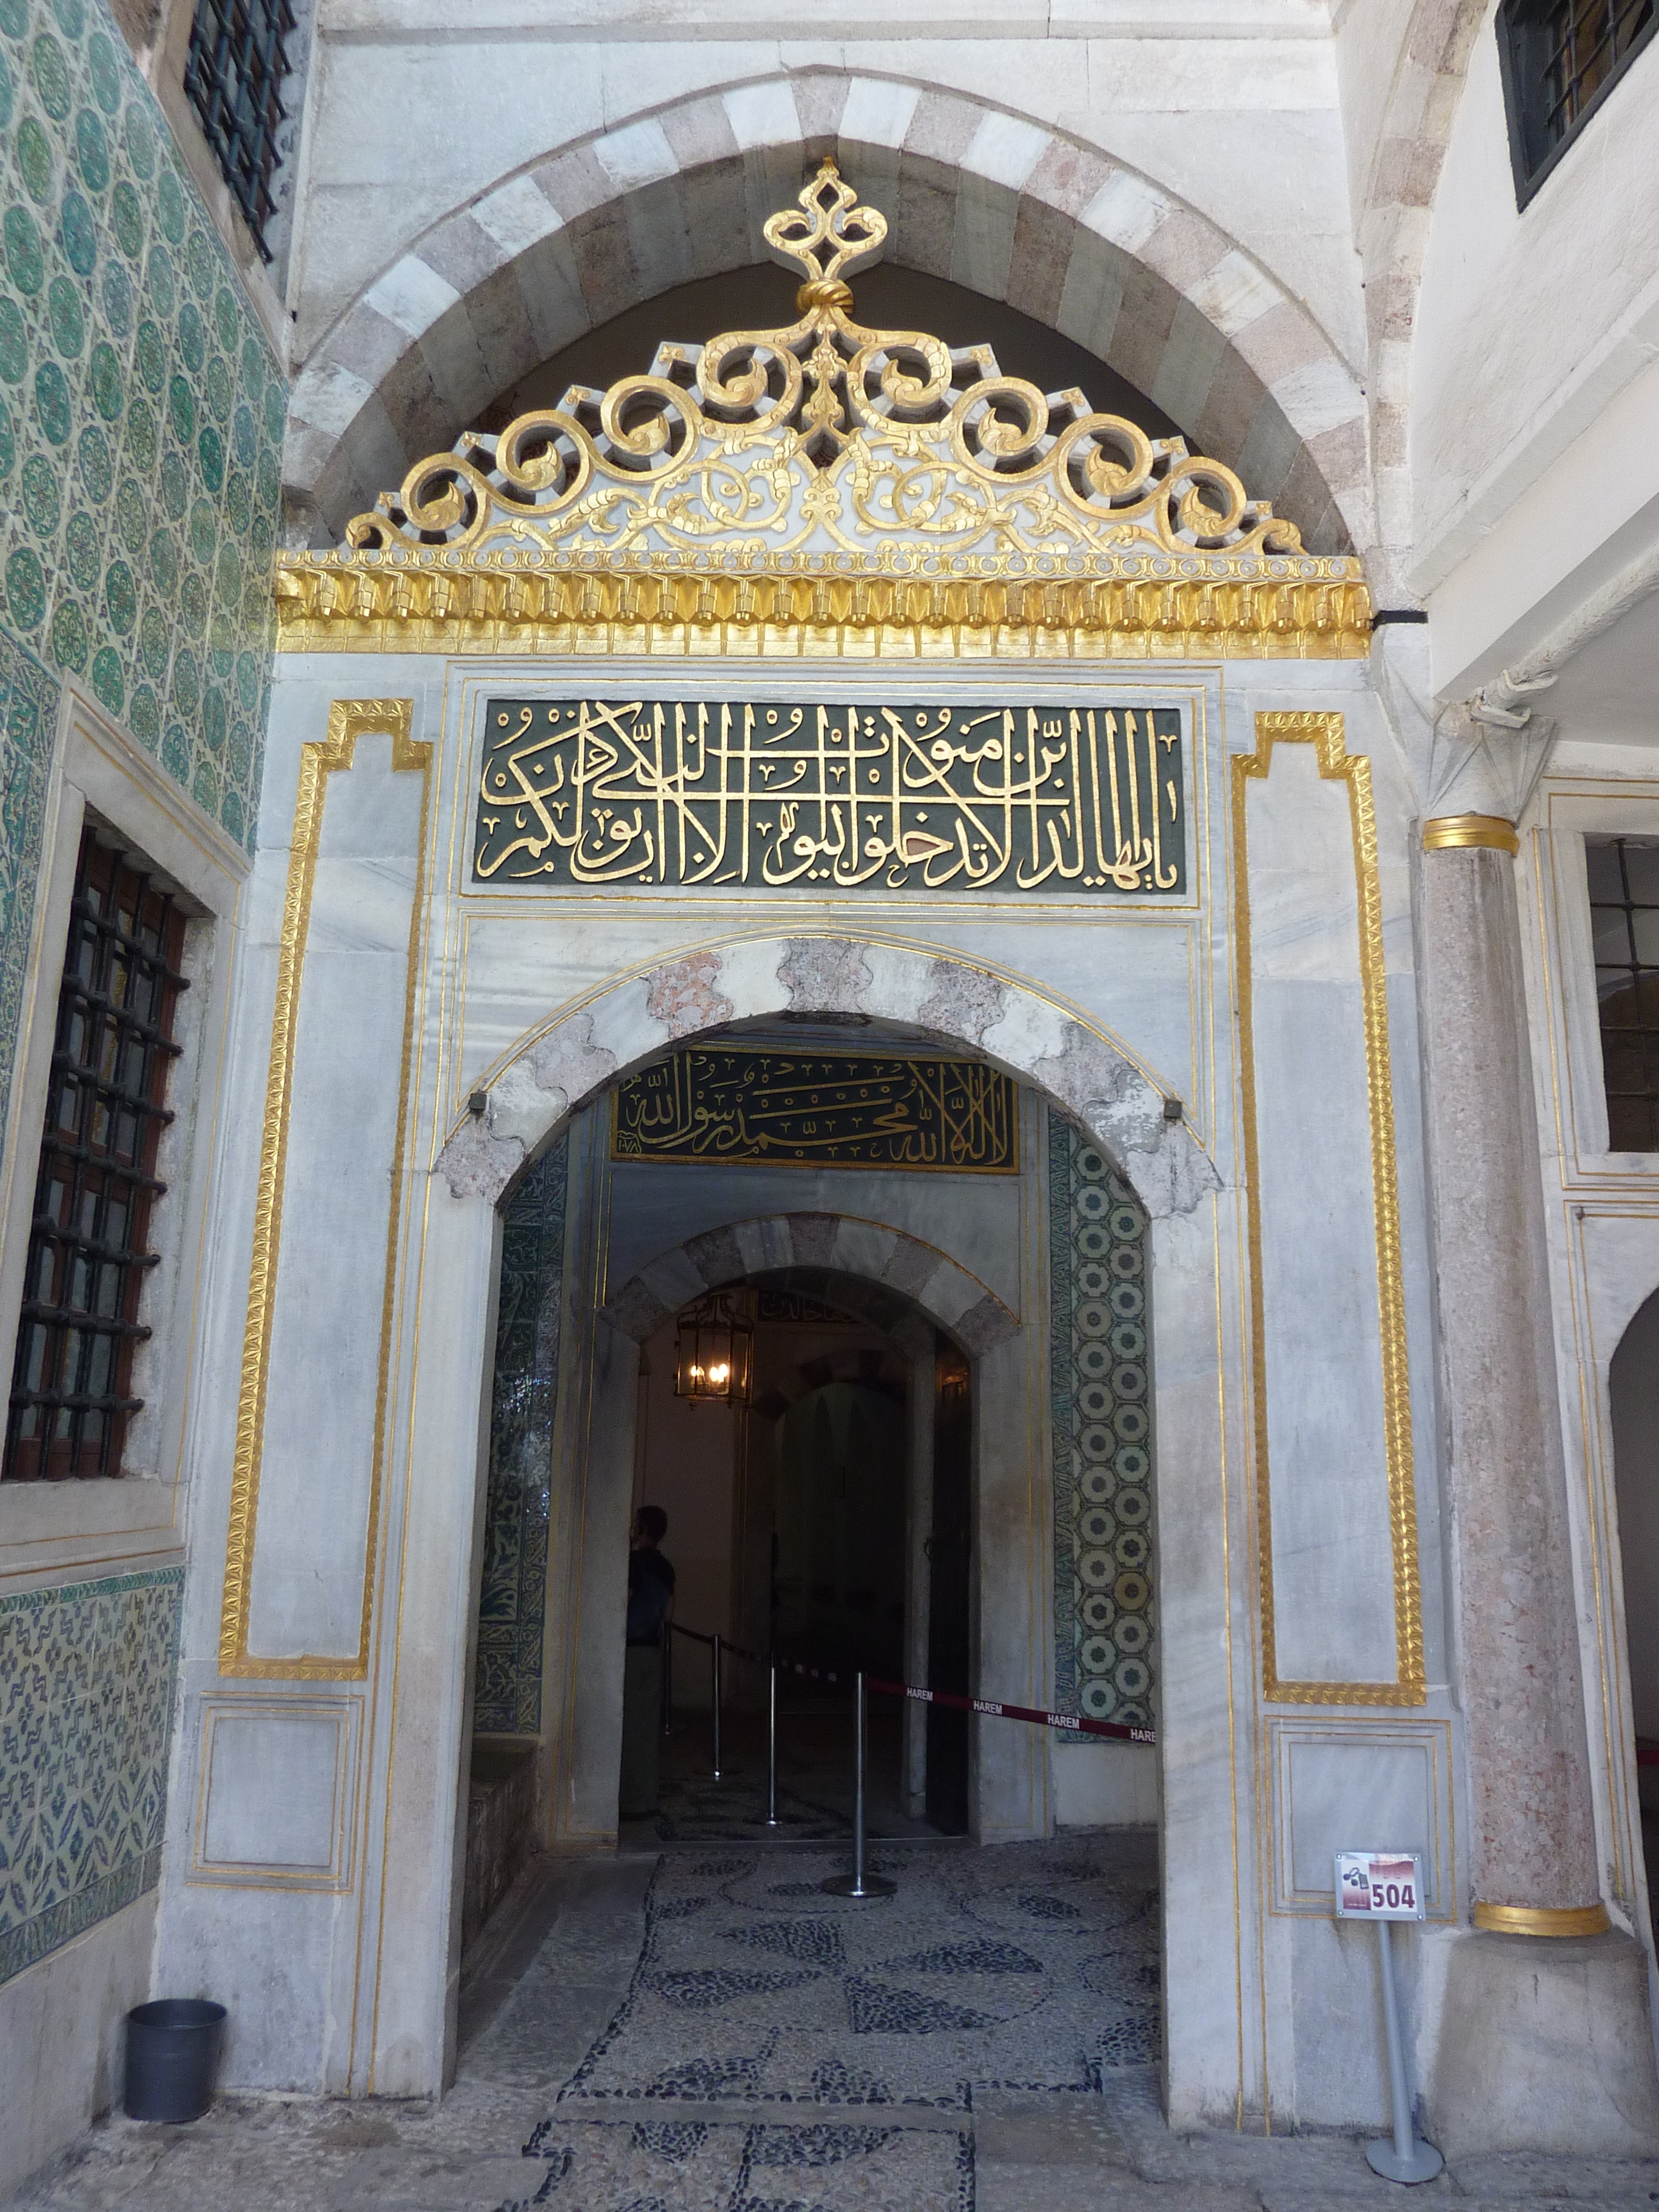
(857, 491)
(1542, 1919)
(1324, 733)
(736, 606)
(348, 721)
(1450, 832)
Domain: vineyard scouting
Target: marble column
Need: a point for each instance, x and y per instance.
(1542, 2046)
(1533, 1846)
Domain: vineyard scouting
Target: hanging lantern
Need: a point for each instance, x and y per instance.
(714, 1349)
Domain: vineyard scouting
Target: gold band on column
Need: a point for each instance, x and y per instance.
(1448, 831)
(1543, 1919)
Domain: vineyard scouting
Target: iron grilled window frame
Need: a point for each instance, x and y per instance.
(1535, 37)
(1629, 983)
(232, 79)
(72, 1398)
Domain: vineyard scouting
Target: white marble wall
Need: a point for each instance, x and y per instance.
(1328, 1531)
(318, 1445)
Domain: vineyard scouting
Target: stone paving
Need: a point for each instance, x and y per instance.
(934, 2053)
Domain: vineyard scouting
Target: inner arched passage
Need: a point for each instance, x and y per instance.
(1000, 1492)
(828, 1523)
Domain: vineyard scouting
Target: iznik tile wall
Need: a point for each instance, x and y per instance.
(86, 1707)
(141, 424)
(1100, 1399)
(507, 1688)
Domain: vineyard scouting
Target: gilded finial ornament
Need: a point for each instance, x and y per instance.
(839, 481)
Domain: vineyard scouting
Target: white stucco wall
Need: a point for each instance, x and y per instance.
(1530, 325)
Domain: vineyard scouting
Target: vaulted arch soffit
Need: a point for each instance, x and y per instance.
(899, 1285)
(583, 1048)
(973, 194)
(1396, 203)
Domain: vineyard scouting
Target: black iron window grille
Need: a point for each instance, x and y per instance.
(1624, 889)
(1560, 60)
(71, 1397)
(233, 79)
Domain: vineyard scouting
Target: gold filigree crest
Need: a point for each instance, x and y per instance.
(826, 471)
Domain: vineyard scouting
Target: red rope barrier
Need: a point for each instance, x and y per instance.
(994, 1706)
(1000, 1711)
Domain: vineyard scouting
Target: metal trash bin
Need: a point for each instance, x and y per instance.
(172, 2055)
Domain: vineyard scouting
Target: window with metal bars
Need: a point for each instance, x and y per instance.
(1560, 60)
(1624, 889)
(71, 1397)
(233, 79)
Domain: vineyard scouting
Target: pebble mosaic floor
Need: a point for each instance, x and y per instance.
(1026, 1966)
(608, 2065)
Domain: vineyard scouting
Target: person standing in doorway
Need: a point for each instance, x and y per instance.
(650, 1604)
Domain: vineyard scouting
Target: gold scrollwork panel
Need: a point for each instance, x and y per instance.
(1324, 732)
(348, 721)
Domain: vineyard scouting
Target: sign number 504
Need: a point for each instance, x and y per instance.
(1379, 1886)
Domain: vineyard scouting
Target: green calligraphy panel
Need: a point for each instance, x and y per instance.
(1060, 801)
(818, 1110)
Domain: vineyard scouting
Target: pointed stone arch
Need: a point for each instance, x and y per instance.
(974, 192)
(581, 1051)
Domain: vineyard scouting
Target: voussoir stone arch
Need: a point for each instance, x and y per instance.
(796, 1246)
(974, 193)
(573, 1059)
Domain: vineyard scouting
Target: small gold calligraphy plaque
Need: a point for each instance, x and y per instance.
(1061, 800)
(818, 1110)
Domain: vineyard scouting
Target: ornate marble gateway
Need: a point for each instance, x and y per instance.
(814, 795)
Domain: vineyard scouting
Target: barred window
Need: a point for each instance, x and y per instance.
(1560, 58)
(1624, 889)
(71, 1397)
(233, 78)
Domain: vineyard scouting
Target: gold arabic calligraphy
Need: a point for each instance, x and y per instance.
(839, 1111)
(811, 797)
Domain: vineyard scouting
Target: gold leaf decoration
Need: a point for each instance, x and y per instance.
(769, 460)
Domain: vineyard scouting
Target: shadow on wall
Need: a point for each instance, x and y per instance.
(840, 1518)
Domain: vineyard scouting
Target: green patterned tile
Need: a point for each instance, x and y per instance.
(1100, 1406)
(134, 381)
(141, 424)
(85, 1707)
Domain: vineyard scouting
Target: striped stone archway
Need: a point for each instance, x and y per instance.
(881, 1272)
(530, 1093)
(973, 193)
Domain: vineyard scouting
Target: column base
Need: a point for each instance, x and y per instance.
(1545, 2046)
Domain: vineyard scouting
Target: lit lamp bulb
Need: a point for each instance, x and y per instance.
(714, 1348)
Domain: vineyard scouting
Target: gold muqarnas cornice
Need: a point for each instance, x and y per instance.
(824, 488)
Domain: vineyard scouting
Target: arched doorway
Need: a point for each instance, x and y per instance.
(984, 1333)
(1633, 1387)
(826, 1522)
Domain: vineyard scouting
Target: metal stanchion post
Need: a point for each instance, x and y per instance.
(772, 1821)
(715, 1662)
(1404, 2159)
(857, 1883)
